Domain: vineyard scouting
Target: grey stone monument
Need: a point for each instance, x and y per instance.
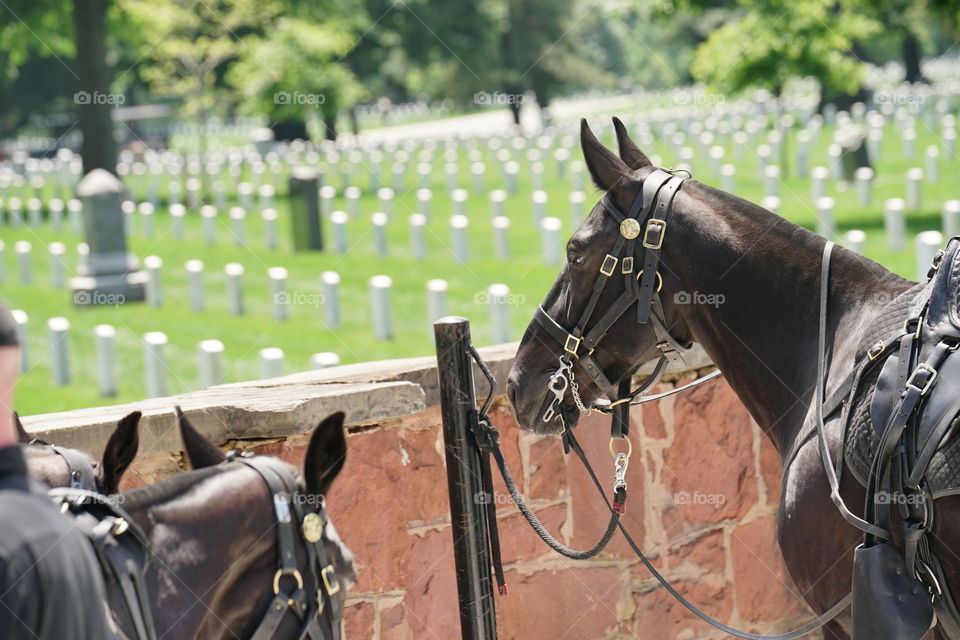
(110, 274)
(305, 209)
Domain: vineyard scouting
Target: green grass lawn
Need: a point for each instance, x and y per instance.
(305, 332)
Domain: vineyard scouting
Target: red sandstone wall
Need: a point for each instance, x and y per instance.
(703, 485)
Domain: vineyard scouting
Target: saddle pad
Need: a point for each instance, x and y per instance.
(861, 438)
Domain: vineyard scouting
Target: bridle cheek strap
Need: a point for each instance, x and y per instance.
(308, 610)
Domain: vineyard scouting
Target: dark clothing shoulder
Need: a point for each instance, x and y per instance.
(8, 327)
(50, 581)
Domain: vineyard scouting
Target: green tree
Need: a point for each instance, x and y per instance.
(186, 45)
(76, 31)
(768, 45)
(295, 70)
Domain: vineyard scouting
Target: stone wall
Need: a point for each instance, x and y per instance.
(703, 493)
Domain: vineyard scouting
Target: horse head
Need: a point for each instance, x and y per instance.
(216, 533)
(62, 467)
(604, 261)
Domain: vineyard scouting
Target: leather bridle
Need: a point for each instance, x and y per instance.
(653, 203)
(82, 474)
(291, 514)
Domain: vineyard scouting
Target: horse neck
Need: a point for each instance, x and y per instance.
(193, 559)
(761, 325)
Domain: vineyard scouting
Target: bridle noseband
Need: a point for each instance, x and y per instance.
(653, 203)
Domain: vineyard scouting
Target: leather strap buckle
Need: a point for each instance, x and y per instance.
(290, 572)
(608, 266)
(576, 344)
(922, 378)
(330, 582)
(654, 233)
(874, 352)
(627, 265)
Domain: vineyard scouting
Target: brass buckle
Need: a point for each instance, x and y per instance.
(326, 573)
(874, 352)
(937, 259)
(576, 344)
(282, 572)
(627, 265)
(609, 264)
(654, 225)
(120, 526)
(906, 326)
(922, 368)
(659, 279)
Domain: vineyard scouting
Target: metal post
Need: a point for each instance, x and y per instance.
(467, 512)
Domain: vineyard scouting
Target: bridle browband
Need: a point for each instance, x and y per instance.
(309, 608)
(652, 203)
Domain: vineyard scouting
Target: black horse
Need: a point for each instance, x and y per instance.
(61, 467)
(210, 534)
(763, 335)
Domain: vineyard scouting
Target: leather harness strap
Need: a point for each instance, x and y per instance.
(287, 508)
(82, 475)
(825, 456)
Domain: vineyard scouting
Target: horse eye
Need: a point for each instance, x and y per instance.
(576, 258)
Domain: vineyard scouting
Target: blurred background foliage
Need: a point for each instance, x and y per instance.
(221, 58)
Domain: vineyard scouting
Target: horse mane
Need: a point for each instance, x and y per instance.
(168, 488)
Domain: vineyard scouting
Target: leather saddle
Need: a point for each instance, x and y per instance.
(897, 582)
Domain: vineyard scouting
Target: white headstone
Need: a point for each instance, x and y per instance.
(855, 240)
(195, 285)
(826, 225)
(57, 330)
(234, 281)
(331, 298)
(210, 363)
(277, 276)
(152, 288)
(500, 300)
(271, 362)
(895, 224)
(104, 336)
(155, 363)
(928, 243)
(380, 307)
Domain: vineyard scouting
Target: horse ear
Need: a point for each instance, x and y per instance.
(21, 432)
(201, 452)
(605, 167)
(325, 455)
(629, 152)
(120, 451)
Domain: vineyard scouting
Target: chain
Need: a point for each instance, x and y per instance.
(575, 392)
(559, 382)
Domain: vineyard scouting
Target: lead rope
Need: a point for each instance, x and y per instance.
(488, 440)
